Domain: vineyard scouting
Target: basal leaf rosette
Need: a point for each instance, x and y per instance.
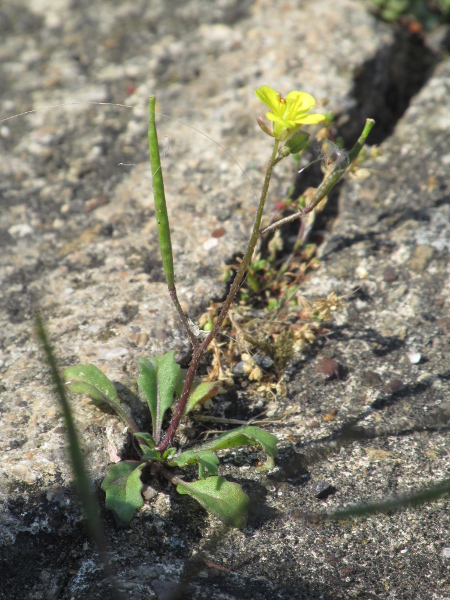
(288, 114)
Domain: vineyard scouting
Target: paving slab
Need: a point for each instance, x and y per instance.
(77, 230)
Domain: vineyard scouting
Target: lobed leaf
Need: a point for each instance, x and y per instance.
(207, 462)
(123, 487)
(90, 381)
(243, 436)
(158, 382)
(223, 498)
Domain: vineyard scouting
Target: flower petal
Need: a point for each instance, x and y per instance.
(282, 129)
(270, 98)
(279, 120)
(300, 101)
(311, 119)
(288, 114)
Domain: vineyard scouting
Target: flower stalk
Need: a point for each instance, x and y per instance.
(287, 115)
(199, 350)
(329, 183)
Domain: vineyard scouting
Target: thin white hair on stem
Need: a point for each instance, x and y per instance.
(199, 333)
(92, 103)
(330, 153)
(309, 164)
(333, 154)
(164, 154)
(166, 147)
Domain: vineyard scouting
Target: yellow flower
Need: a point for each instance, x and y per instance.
(288, 114)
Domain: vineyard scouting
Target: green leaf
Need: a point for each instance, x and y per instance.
(207, 461)
(146, 437)
(259, 265)
(224, 499)
(90, 381)
(252, 283)
(207, 464)
(244, 436)
(149, 453)
(168, 454)
(180, 383)
(123, 487)
(158, 382)
(272, 304)
(148, 385)
(201, 393)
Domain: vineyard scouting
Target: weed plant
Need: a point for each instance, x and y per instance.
(162, 382)
(167, 388)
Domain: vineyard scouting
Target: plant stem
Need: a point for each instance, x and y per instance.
(162, 218)
(199, 350)
(159, 469)
(329, 182)
(248, 255)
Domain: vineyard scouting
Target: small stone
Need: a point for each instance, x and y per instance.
(421, 257)
(218, 233)
(149, 492)
(20, 230)
(361, 272)
(414, 357)
(331, 415)
(395, 385)
(370, 378)
(427, 378)
(58, 223)
(263, 361)
(398, 292)
(328, 368)
(322, 489)
(415, 301)
(390, 275)
(239, 369)
(210, 244)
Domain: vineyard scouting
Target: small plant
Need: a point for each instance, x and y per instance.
(426, 14)
(162, 381)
